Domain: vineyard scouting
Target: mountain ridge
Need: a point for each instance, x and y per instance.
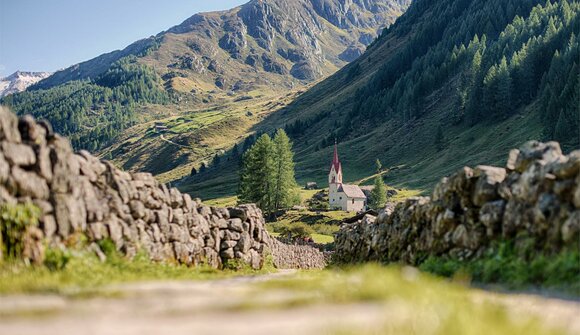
(243, 63)
(259, 34)
(19, 81)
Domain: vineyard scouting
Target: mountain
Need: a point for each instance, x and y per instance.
(215, 72)
(19, 81)
(261, 43)
(451, 83)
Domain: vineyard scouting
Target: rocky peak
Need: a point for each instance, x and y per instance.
(19, 81)
(299, 37)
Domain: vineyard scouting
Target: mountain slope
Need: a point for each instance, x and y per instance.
(19, 81)
(453, 82)
(255, 53)
(306, 39)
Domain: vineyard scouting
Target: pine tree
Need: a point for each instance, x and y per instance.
(378, 194)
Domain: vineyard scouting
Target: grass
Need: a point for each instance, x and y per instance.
(321, 234)
(311, 218)
(306, 195)
(222, 202)
(195, 133)
(86, 273)
(504, 266)
(322, 239)
(321, 226)
(414, 303)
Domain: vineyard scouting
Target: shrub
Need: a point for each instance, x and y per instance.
(56, 259)
(109, 249)
(14, 221)
(292, 230)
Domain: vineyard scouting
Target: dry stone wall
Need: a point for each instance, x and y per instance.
(533, 201)
(294, 256)
(79, 194)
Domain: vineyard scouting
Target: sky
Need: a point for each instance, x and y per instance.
(47, 35)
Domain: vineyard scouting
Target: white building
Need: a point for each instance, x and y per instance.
(342, 196)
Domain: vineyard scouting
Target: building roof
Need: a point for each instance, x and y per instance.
(352, 191)
(335, 160)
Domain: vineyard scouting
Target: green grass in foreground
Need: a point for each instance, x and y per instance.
(85, 272)
(414, 302)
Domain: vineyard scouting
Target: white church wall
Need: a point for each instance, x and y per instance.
(341, 201)
(335, 199)
(354, 205)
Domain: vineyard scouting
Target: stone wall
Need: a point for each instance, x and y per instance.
(79, 194)
(293, 256)
(534, 201)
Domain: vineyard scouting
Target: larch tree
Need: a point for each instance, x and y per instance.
(285, 181)
(267, 174)
(257, 178)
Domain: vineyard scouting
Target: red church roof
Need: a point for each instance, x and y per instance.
(335, 161)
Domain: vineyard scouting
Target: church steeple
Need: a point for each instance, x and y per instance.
(335, 160)
(335, 174)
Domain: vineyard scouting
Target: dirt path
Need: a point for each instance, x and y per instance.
(171, 142)
(228, 307)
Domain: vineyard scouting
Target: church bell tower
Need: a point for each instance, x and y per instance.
(335, 174)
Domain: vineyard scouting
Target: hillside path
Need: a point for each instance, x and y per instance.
(226, 307)
(171, 142)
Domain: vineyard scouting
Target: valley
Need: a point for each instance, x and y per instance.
(232, 63)
(421, 98)
(298, 166)
(431, 73)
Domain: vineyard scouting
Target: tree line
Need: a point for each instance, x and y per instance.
(92, 112)
(504, 55)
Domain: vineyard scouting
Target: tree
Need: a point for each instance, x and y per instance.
(257, 179)
(267, 174)
(379, 166)
(378, 194)
(193, 171)
(202, 168)
(503, 94)
(285, 182)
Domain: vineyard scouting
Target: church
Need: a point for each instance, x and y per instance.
(342, 196)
